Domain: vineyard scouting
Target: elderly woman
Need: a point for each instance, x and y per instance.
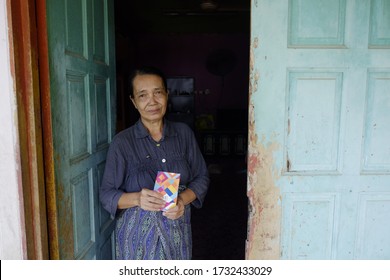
(135, 156)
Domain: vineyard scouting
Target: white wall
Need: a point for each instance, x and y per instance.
(12, 237)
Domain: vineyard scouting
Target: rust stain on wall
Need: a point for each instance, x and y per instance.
(263, 241)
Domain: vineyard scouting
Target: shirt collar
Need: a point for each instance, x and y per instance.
(142, 132)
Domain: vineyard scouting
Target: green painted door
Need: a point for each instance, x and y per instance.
(319, 150)
(82, 86)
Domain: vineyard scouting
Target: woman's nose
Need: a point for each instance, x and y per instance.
(152, 98)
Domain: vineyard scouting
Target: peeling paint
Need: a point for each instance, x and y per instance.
(264, 199)
(288, 164)
(263, 241)
(288, 127)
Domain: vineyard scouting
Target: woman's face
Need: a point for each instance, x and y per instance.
(149, 97)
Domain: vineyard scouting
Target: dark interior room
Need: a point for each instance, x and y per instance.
(202, 46)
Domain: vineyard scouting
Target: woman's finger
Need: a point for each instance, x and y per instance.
(151, 200)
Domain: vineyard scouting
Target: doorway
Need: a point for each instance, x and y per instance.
(210, 46)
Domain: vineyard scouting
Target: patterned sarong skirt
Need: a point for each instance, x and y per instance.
(146, 235)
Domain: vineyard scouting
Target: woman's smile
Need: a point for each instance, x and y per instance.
(154, 111)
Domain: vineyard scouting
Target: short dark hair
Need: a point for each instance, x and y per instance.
(146, 70)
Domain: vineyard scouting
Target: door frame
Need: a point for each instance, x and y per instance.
(24, 37)
(28, 34)
(48, 155)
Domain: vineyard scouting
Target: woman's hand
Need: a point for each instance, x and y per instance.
(175, 212)
(186, 197)
(151, 200)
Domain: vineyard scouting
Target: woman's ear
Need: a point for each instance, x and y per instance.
(132, 100)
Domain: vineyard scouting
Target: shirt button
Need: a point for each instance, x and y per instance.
(164, 160)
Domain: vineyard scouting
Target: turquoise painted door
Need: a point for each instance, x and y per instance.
(82, 86)
(319, 150)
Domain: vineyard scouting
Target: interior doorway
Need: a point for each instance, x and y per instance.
(206, 42)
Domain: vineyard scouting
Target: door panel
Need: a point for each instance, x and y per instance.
(319, 180)
(82, 82)
(313, 118)
(315, 215)
(377, 125)
(324, 27)
(373, 240)
(379, 24)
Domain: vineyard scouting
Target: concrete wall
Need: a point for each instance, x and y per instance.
(12, 237)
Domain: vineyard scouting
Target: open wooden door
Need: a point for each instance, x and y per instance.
(319, 132)
(82, 93)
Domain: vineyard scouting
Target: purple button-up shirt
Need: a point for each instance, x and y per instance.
(134, 159)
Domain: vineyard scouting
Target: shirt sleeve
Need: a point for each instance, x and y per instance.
(113, 179)
(200, 178)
